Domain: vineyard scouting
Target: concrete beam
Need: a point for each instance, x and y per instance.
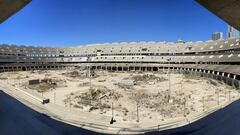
(228, 10)
(10, 7)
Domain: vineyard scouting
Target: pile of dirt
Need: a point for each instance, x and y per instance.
(73, 74)
(213, 82)
(159, 102)
(97, 97)
(80, 74)
(42, 87)
(126, 83)
(47, 84)
(195, 77)
(146, 78)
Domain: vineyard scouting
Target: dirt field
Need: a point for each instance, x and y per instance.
(133, 96)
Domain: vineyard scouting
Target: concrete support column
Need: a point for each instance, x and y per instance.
(193, 71)
(238, 85)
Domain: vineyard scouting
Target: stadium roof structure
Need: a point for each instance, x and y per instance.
(10, 7)
(228, 10)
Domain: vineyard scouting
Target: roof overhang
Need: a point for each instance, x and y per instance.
(228, 10)
(10, 7)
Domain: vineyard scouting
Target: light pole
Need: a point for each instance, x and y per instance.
(137, 113)
(112, 120)
(112, 109)
(229, 95)
(182, 77)
(54, 97)
(203, 102)
(89, 72)
(90, 75)
(169, 84)
(185, 103)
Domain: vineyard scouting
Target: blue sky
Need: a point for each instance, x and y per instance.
(79, 22)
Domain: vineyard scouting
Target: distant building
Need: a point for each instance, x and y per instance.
(217, 36)
(180, 41)
(232, 32)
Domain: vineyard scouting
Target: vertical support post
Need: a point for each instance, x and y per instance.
(112, 110)
(229, 95)
(203, 103)
(137, 113)
(185, 104)
(54, 97)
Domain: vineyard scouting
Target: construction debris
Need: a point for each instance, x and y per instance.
(147, 93)
(213, 82)
(148, 78)
(126, 83)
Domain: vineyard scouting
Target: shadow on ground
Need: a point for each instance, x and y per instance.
(18, 119)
